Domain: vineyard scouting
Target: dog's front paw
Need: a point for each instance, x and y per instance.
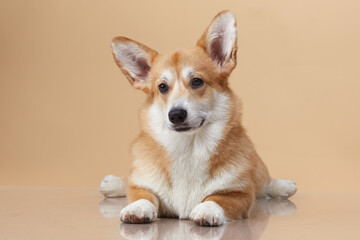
(208, 213)
(140, 211)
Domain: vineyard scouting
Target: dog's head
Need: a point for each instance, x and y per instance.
(186, 88)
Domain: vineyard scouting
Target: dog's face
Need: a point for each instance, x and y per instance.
(184, 87)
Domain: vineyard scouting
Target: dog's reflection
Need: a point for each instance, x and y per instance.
(111, 207)
(165, 228)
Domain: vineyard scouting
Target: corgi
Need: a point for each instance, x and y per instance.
(192, 159)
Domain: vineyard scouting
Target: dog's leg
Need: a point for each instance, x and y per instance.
(112, 186)
(216, 208)
(280, 188)
(143, 207)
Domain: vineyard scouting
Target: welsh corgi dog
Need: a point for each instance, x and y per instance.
(193, 158)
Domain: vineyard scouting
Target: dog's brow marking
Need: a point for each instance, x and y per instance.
(167, 76)
(187, 72)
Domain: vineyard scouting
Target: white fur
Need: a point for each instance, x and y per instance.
(167, 76)
(141, 208)
(189, 154)
(127, 54)
(187, 72)
(281, 188)
(209, 212)
(112, 186)
(224, 27)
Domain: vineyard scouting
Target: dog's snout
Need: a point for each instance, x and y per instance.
(177, 116)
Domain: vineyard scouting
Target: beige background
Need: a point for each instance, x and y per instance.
(68, 116)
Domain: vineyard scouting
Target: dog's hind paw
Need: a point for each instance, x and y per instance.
(281, 188)
(112, 186)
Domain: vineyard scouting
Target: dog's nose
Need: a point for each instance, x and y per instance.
(177, 116)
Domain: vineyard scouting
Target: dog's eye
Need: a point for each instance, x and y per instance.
(196, 83)
(163, 88)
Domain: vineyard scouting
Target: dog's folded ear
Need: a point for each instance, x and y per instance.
(134, 60)
(219, 40)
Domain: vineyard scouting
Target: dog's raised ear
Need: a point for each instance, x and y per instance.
(134, 60)
(219, 40)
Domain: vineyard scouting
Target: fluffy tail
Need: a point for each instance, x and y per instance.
(280, 188)
(112, 186)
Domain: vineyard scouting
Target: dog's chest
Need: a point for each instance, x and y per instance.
(189, 174)
(188, 181)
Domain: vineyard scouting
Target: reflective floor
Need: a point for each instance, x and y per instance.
(80, 213)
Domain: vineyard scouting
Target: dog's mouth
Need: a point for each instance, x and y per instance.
(185, 127)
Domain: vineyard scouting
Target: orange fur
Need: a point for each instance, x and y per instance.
(236, 205)
(136, 193)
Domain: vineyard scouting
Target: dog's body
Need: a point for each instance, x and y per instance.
(192, 158)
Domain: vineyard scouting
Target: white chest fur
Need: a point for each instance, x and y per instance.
(189, 170)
